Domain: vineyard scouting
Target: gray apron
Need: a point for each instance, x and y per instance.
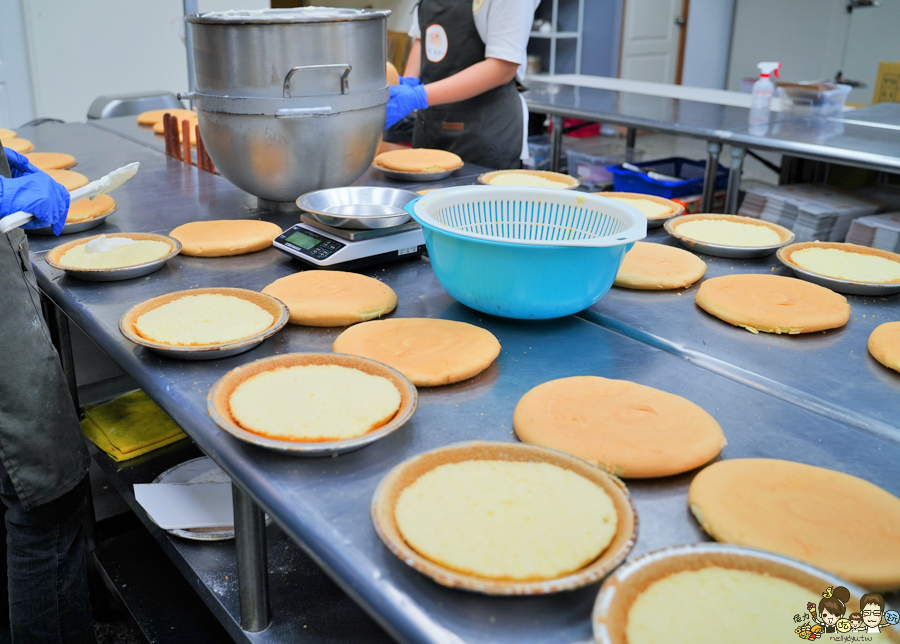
(41, 446)
(485, 129)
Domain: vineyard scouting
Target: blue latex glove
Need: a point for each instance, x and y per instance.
(19, 165)
(38, 194)
(409, 80)
(404, 99)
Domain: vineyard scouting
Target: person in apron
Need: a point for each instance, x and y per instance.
(43, 458)
(462, 79)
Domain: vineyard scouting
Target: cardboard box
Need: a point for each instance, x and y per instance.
(887, 83)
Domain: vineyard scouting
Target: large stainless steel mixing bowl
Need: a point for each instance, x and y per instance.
(290, 101)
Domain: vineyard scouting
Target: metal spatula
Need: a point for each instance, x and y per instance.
(91, 191)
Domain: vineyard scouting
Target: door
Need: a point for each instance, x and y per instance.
(16, 104)
(652, 40)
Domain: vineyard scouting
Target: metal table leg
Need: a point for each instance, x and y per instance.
(734, 180)
(630, 138)
(713, 150)
(556, 142)
(252, 561)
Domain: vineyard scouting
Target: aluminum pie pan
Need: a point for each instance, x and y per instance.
(205, 352)
(386, 494)
(720, 250)
(617, 594)
(219, 409)
(571, 182)
(837, 284)
(77, 226)
(198, 470)
(322, 204)
(399, 175)
(113, 274)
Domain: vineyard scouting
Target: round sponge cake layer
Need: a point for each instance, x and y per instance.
(332, 298)
(69, 179)
(51, 160)
(884, 344)
(773, 303)
(837, 522)
(197, 320)
(418, 160)
(627, 429)
(715, 605)
(84, 209)
(314, 403)
(19, 145)
(428, 352)
(225, 237)
(506, 520)
(656, 267)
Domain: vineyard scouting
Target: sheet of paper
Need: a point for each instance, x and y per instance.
(174, 507)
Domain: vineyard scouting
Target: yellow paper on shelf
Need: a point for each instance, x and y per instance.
(887, 83)
(129, 426)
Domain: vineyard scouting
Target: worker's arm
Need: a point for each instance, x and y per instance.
(414, 62)
(472, 81)
(33, 191)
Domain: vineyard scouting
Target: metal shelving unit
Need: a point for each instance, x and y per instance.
(555, 36)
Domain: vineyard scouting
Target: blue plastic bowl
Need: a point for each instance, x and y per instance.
(527, 279)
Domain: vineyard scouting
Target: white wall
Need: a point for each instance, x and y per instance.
(16, 106)
(707, 43)
(401, 10)
(81, 50)
(805, 36)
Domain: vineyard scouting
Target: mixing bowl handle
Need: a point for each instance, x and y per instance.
(306, 68)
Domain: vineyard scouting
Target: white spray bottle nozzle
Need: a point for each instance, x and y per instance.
(767, 69)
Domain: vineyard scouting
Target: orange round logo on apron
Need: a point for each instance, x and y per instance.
(436, 43)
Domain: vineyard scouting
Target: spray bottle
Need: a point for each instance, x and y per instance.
(762, 93)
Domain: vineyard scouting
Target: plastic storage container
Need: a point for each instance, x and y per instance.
(690, 171)
(590, 167)
(538, 153)
(814, 102)
(526, 253)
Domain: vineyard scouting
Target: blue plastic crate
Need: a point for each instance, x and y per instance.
(687, 169)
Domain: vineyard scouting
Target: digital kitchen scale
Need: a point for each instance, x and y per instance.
(326, 247)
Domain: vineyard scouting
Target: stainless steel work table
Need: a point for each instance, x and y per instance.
(854, 140)
(323, 504)
(830, 373)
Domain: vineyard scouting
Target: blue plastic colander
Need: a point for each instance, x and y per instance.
(526, 253)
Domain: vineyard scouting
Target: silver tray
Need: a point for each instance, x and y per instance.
(315, 450)
(76, 227)
(357, 207)
(117, 274)
(414, 177)
(718, 250)
(208, 352)
(848, 287)
(198, 470)
(620, 580)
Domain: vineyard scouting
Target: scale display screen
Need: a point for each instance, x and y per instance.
(302, 240)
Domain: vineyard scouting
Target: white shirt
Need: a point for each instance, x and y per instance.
(504, 27)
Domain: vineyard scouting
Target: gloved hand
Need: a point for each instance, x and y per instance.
(404, 99)
(38, 194)
(19, 165)
(409, 80)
